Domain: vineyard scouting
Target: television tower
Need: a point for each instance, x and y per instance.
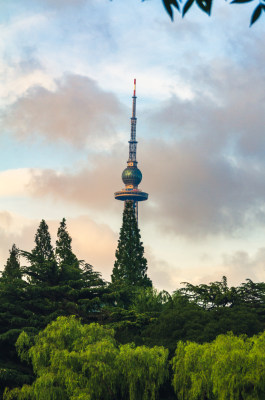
(132, 176)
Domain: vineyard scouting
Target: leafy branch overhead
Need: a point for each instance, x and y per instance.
(206, 6)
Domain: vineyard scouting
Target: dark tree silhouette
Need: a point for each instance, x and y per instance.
(130, 266)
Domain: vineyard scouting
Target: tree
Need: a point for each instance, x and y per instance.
(63, 249)
(78, 362)
(43, 268)
(13, 316)
(230, 367)
(12, 268)
(43, 250)
(130, 265)
(216, 294)
(206, 6)
(30, 304)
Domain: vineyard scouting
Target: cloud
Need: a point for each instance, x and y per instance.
(195, 193)
(77, 112)
(205, 169)
(192, 192)
(241, 264)
(92, 186)
(95, 243)
(14, 182)
(65, 3)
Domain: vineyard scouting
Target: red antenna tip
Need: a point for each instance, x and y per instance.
(134, 90)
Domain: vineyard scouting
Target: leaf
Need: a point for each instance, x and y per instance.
(256, 14)
(187, 6)
(168, 4)
(240, 1)
(205, 5)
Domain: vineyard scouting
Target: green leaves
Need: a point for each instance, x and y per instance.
(75, 361)
(187, 6)
(240, 1)
(206, 6)
(130, 265)
(168, 4)
(228, 368)
(257, 13)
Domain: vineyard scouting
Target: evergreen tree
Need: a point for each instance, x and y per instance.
(12, 267)
(43, 268)
(130, 266)
(63, 250)
(43, 250)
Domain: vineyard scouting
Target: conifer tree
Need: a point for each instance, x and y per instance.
(63, 250)
(12, 268)
(43, 250)
(43, 267)
(130, 265)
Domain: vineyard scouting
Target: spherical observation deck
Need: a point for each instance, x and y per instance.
(131, 194)
(131, 176)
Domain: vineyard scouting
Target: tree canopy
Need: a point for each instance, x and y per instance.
(228, 368)
(74, 362)
(70, 358)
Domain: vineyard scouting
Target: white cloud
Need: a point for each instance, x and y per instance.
(14, 182)
(77, 112)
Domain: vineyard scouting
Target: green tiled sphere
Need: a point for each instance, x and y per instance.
(131, 176)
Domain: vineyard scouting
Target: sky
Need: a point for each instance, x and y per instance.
(66, 82)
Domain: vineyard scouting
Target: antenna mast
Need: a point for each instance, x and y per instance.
(133, 142)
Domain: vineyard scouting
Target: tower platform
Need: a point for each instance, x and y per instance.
(131, 194)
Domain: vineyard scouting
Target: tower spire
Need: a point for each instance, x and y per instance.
(133, 142)
(132, 176)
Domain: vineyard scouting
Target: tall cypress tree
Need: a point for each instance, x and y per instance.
(130, 265)
(12, 268)
(64, 253)
(43, 267)
(43, 250)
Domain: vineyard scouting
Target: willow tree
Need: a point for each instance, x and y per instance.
(74, 362)
(230, 367)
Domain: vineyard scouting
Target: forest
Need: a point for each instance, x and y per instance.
(65, 333)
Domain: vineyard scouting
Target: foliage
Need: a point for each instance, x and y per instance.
(75, 361)
(43, 250)
(214, 295)
(12, 268)
(206, 6)
(45, 288)
(130, 265)
(228, 368)
(149, 300)
(55, 283)
(63, 250)
(201, 313)
(218, 294)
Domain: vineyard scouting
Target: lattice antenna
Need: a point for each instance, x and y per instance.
(133, 142)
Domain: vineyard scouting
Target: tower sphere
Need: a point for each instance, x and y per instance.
(131, 176)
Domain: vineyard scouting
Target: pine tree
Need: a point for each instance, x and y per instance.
(130, 266)
(63, 250)
(43, 268)
(43, 250)
(12, 268)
